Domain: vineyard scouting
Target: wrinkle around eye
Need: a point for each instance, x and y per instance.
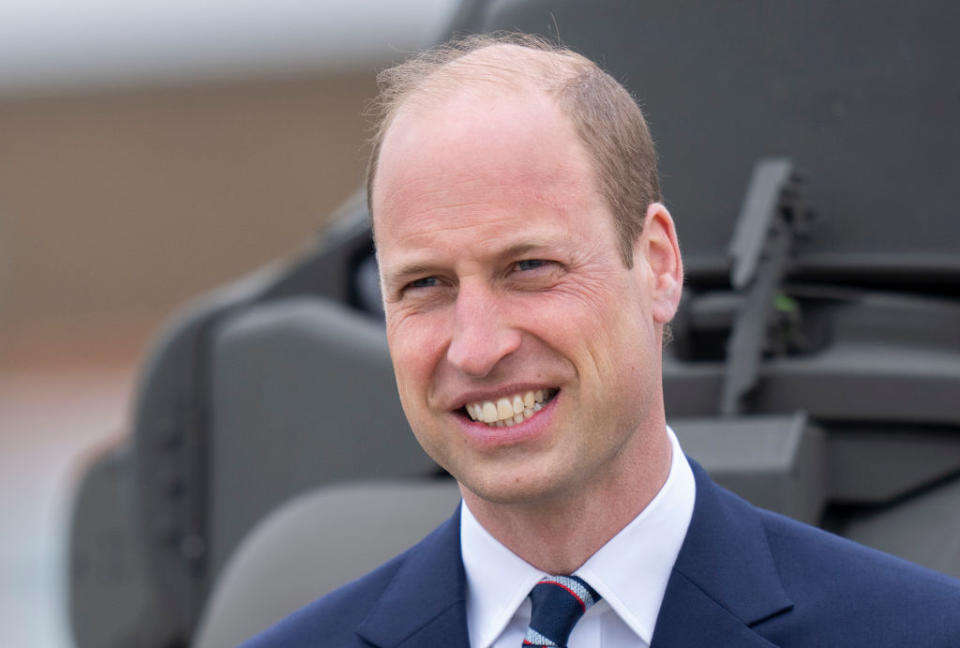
(424, 292)
(536, 272)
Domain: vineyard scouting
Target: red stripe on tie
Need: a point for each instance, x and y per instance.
(572, 593)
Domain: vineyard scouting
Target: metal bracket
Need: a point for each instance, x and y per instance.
(772, 218)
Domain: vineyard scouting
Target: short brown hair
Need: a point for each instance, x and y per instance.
(605, 117)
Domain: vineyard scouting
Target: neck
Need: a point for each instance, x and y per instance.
(558, 533)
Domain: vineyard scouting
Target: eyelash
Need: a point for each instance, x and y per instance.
(430, 282)
(420, 283)
(539, 263)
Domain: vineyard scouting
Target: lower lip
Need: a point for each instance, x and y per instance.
(487, 436)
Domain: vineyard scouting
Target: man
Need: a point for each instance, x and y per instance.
(528, 271)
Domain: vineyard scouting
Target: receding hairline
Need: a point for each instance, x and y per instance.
(477, 63)
(604, 114)
(497, 63)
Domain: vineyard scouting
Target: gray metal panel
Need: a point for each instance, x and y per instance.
(889, 357)
(303, 393)
(111, 597)
(866, 382)
(314, 544)
(758, 214)
(876, 466)
(775, 462)
(863, 94)
(168, 454)
(844, 384)
(924, 529)
(171, 418)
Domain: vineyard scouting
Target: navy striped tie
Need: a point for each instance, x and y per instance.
(558, 603)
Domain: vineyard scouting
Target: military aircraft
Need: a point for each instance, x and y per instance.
(809, 153)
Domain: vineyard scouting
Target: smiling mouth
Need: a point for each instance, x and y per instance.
(508, 411)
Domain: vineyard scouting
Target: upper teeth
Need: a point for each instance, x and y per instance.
(508, 411)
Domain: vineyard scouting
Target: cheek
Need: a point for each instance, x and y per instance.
(416, 344)
(600, 330)
(600, 295)
(594, 314)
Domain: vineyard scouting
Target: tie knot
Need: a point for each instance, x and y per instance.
(558, 603)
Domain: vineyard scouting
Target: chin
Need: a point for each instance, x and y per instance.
(509, 488)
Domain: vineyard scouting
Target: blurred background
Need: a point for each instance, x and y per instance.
(161, 419)
(150, 151)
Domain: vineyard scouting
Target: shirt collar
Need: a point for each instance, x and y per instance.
(498, 580)
(630, 571)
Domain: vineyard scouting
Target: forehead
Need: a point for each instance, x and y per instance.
(478, 152)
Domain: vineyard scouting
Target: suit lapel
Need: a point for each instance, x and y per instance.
(424, 603)
(724, 581)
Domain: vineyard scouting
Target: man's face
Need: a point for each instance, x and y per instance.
(503, 281)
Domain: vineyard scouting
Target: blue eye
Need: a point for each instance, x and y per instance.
(530, 264)
(425, 282)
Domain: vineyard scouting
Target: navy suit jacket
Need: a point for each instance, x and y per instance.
(744, 578)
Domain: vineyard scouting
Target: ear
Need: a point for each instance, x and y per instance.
(658, 251)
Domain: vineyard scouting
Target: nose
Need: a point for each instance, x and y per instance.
(481, 335)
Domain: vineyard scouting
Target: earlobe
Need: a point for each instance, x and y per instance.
(661, 255)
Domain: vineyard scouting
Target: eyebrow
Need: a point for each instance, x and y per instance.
(520, 249)
(410, 270)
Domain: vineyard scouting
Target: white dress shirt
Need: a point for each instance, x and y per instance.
(630, 572)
